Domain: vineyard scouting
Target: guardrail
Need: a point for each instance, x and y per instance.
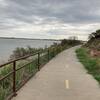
(14, 74)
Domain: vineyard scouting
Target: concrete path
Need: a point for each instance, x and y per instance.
(63, 78)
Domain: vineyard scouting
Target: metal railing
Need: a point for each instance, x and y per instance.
(14, 74)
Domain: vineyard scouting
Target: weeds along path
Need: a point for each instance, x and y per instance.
(63, 78)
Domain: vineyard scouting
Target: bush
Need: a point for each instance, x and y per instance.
(70, 42)
(20, 52)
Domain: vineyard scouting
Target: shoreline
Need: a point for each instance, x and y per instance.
(29, 38)
(8, 45)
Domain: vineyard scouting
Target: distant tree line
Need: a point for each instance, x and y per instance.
(71, 42)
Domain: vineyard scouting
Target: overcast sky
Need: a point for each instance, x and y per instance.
(52, 19)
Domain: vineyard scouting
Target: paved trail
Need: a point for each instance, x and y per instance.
(63, 78)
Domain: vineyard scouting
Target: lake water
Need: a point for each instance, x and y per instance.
(8, 45)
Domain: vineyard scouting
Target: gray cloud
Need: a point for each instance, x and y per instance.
(63, 10)
(67, 16)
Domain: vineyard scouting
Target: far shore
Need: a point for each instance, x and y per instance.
(29, 38)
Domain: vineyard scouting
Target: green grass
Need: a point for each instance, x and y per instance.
(91, 64)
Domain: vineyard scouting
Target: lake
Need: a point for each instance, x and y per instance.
(8, 45)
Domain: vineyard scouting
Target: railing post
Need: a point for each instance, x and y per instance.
(61, 48)
(14, 78)
(53, 52)
(38, 61)
(56, 50)
(48, 54)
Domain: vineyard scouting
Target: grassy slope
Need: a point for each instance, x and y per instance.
(91, 64)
